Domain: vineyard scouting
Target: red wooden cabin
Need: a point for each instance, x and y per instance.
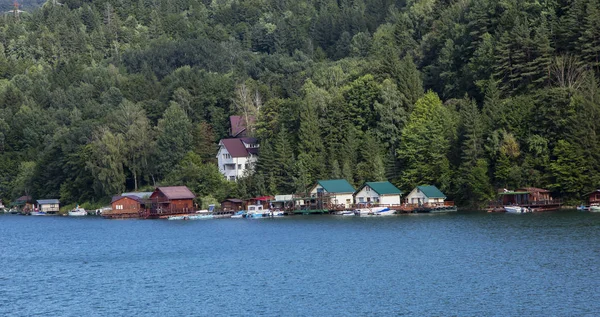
(172, 200)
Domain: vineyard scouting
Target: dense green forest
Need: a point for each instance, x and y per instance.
(98, 97)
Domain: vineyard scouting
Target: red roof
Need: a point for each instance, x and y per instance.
(175, 192)
(235, 147)
(238, 124)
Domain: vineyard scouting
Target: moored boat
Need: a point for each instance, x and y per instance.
(239, 214)
(77, 212)
(257, 211)
(374, 211)
(516, 209)
(38, 213)
(594, 208)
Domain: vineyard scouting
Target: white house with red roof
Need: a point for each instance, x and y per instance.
(237, 156)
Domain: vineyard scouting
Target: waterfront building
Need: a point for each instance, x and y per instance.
(333, 194)
(48, 205)
(426, 194)
(383, 193)
(232, 204)
(125, 206)
(172, 199)
(236, 157)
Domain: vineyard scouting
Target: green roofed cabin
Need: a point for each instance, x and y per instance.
(383, 193)
(426, 194)
(337, 192)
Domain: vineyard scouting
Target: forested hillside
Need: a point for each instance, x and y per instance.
(98, 97)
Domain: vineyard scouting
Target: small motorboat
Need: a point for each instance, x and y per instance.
(594, 208)
(257, 211)
(239, 214)
(374, 211)
(38, 213)
(277, 213)
(78, 212)
(516, 209)
(347, 213)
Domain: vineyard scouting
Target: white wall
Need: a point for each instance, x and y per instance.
(390, 199)
(367, 194)
(49, 207)
(233, 166)
(346, 199)
(415, 194)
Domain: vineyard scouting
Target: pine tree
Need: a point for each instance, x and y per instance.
(174, 138)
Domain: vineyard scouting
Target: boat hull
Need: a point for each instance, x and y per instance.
(77, 213)
(38, 213)
(594, 208)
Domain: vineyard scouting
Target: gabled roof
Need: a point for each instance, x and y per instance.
(596, 191)
(48, 201)
(238, 124)
(176, 192)
(336, 186)
(382, 188)
(23, 199)
(235, 147)
(138, 194)
(117, 198)
(533, 190)
(431, 191)
(249, 140)
(233, 200)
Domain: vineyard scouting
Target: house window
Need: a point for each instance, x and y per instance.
(347, 201)
(119, 207)
(231, 178)
(368, 188)
(226, 155)
(246, 166)
(368, 199)
(361, 199)
(239, 166)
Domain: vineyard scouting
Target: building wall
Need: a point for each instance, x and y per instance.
(338, 199)
(234, 167)
(390, 199)
(125, 205)
(365, 195)
(185, 205)
(416, 197)
(49, 207)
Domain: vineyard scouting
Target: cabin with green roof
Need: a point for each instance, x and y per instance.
(382, 193)
(334, 192)
(426, 194)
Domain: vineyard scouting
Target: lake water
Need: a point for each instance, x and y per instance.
(465, 264)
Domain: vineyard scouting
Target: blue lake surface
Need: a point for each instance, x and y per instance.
(464, 264)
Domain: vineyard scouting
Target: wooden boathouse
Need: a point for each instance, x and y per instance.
(536, 199)
(170, 200)
(126, 206)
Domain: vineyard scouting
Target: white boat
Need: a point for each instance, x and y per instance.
(594, 208)
(277, 213)
(374, 211)
(347, 213)
(516, 209)
(38, 213)
(78, 212)
(257, 211)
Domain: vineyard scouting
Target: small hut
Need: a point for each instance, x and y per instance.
(232, 204)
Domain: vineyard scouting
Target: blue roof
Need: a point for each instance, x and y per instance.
(336, 186)
(48, 201)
